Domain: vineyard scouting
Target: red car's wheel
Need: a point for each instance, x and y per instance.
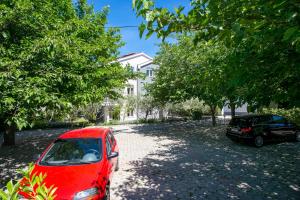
(117, 165)
(107, 193)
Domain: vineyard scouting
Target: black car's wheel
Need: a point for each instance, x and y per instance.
(297, 134)
(117, 165)
(259, 141)
(233, 139)
(107, 193)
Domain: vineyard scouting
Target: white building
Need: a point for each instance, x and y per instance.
(242, 110)
(139, 62)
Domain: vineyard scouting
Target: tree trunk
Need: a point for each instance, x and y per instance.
(9, 135)
(2, 130)
(232, 108)
(213, 115)
(146, 115)
(161, 114)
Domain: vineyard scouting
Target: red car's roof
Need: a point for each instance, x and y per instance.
(85, 133)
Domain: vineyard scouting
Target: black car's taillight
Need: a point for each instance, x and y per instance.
(246, 130)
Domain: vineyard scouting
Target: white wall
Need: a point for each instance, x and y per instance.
(147, 79)
(135, 61)
(242, 110)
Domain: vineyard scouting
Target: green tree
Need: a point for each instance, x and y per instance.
(263, 38)
(54, 55)
(187, 71)
(147, 104)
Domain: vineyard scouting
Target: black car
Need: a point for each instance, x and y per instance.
(259, 129)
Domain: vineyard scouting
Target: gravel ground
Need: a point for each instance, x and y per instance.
(185, 160)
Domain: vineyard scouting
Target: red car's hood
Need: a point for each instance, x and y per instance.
(71, 179)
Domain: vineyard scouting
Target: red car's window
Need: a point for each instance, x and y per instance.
(73, 151)
(108, 146)
(111, 138)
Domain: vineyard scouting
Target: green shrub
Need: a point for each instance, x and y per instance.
(147, 121)
(90, 112)
(116, 112)
(31, 184)
(291, 114)
(196, 115)
(192, 108)
(111, 122)
(42, 124)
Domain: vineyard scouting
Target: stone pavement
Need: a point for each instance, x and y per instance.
(184, 160)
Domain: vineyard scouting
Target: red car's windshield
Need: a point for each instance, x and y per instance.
(73, 151)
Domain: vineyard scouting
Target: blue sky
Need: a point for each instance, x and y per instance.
(121, 14)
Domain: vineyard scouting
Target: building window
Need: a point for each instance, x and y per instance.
(149, 72)
(130, 113)
(130, 90)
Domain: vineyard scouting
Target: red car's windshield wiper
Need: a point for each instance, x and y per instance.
(59, 162)
(80, 162)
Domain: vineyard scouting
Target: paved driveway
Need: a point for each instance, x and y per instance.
(187, 160)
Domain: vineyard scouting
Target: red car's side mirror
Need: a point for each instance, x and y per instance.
(113, 154)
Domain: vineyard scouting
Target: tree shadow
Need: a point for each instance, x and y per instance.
(205, 164)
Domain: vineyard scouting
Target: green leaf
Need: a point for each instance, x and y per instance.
(41, 192)
(52, 191)
(288, 34)
(148, 35)
(4, 35)
(39, 197)
(3, 195)
(236, 27)
(10, 186)
(279, 4)
(179, 9)
(142, 28)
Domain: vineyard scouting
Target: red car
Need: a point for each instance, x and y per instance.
(80, 163)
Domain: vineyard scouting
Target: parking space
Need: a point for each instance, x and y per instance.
(184, 160)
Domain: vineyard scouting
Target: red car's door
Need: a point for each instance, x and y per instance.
(110, 164)
(114, 148)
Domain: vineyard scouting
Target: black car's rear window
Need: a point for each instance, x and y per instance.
(247, 121)
(240, 122)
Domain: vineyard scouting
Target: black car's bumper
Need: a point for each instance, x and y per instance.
(237, 136)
